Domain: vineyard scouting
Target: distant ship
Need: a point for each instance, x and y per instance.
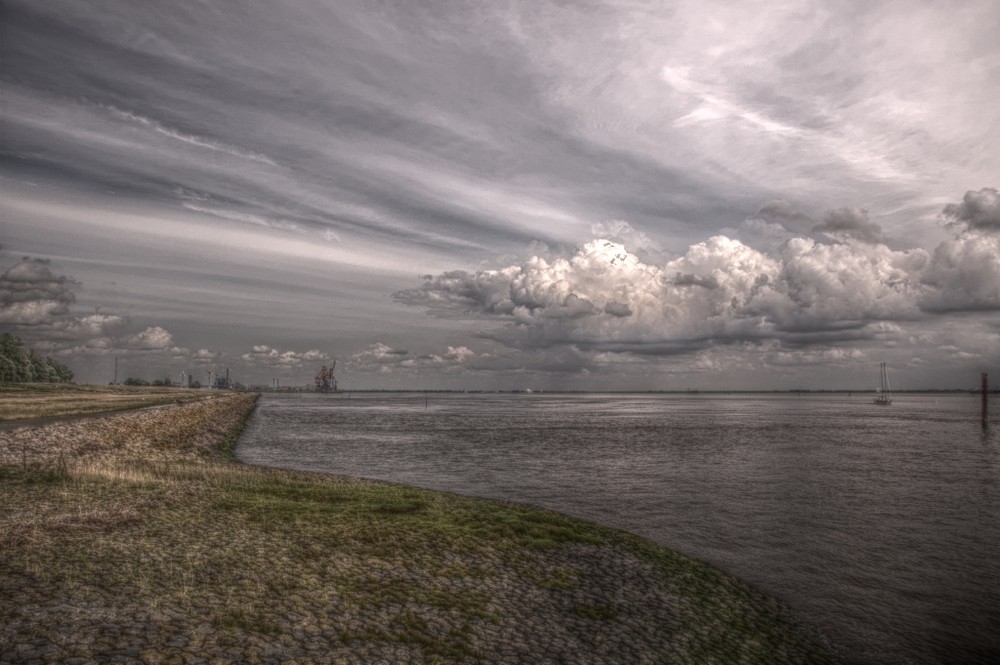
(883, 394)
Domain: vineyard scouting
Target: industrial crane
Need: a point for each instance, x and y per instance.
(325, 380)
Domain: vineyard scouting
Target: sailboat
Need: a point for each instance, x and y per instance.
(883, 394)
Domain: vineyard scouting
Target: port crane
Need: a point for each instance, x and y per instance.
(325, 380)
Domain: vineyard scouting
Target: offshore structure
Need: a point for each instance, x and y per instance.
(325, 381)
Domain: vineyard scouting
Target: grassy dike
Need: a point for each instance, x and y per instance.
(137, 538)
(21, 401)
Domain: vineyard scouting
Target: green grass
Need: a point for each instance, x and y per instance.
(595, 612)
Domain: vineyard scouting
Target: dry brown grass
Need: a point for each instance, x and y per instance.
(191, 431)
(43, 526)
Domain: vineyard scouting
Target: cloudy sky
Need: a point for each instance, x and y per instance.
(582, 195)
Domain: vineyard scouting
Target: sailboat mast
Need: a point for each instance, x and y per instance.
(882, 391)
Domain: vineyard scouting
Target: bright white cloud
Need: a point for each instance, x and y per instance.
(603, 298)
(153, 338)
(205, 356)
(262, 355)
(382, 358)
(89, 325)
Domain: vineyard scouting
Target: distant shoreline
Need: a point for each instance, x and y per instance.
(204, 391)
(869, 391)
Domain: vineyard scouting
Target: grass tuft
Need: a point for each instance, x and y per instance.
(595, 612)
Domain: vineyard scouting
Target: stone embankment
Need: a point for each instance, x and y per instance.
(135, 538)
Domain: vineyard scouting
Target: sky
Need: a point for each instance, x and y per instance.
(502, 194)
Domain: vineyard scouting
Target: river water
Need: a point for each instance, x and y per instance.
(878, 525)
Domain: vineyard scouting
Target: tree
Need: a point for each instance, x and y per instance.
(10, 358)
(18, 365)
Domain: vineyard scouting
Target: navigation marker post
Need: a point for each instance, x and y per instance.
(985, 390)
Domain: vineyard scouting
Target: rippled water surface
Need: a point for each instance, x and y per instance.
(879, 525)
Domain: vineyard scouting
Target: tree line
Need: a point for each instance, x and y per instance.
(18, 365)
(132, 381)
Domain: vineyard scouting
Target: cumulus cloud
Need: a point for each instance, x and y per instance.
(205, 356)
(964, 274)
(828, 287)
(617, 309)
(87, 326)
(37, 303)
(31, 294)
(808, 296)
(262, 355)
(385, 359)
(459, 354)
(826, 356)
(769, 237)
(605, 297)
(634, 240)
(964, 271)
(977, 211)
(379, 354)
(153, 338)
(95, 346)
(772, 226)
(538, 289)
(154, 341)
(850, 223)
